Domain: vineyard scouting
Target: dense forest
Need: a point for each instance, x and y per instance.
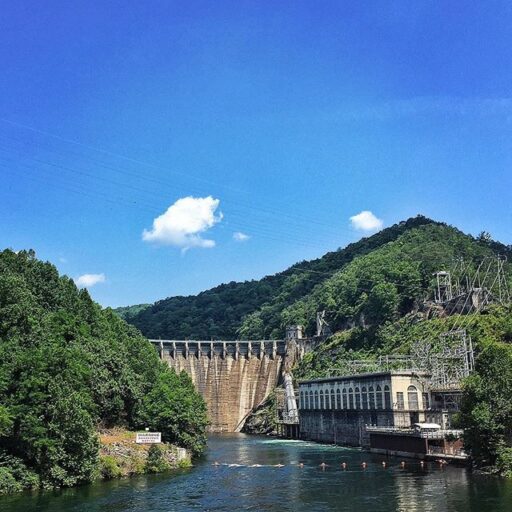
(373, 280)
(69, 368)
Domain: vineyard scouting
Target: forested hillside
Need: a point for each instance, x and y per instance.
(223, 311)
(376, 279)
(68, 368)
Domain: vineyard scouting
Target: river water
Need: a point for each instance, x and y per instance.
(248, 478)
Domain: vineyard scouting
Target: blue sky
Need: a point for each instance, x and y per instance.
(281, 119)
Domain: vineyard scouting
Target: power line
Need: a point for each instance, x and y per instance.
(151, 209)
(281, 213)
(234, 214)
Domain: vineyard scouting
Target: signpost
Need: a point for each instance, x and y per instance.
(148, 437)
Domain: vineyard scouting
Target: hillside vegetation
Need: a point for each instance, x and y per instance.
(372, 281)
(68, 368)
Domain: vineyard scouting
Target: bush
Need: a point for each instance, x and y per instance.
(8, 483)
(155, 462)
(504, 461)
(14, 466)
(109, 468)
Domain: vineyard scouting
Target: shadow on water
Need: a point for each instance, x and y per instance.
(265, 474)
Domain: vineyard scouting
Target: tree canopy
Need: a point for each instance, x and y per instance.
(68, 367)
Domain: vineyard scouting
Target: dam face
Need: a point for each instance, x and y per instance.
(232, 377)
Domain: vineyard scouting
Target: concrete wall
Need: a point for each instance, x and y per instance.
(341, 426)
(233, 378)
(398, 443)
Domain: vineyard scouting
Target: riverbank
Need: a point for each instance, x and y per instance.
(120, 456)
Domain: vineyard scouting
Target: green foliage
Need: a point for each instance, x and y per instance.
(66, 366)
(372, 281)
(487, 409)
(8, 483)
(504, 461)
(173, 408)
(252, 309)
(13, 469)
(6, 422)
(109, 467)
(387, 283)
(155, 463)
(128, 312)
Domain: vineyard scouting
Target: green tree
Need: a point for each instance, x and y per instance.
(174, 408)
(67, 366)
(487, 409)
(382, 304)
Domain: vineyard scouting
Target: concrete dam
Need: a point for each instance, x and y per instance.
(234, 377)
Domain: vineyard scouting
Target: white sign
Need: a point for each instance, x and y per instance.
(148, 437)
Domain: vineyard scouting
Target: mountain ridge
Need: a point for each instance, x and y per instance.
(254, 309)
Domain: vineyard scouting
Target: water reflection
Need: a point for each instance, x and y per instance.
(247, 478)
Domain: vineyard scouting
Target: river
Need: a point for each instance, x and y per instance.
(238, 483)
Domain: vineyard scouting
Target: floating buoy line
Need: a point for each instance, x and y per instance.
(323, 465)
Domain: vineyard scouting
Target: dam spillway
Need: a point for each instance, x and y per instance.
(233, 377)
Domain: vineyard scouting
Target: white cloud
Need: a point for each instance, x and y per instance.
(240, 237)
(88, 280)
(366, 221)
(183, 222)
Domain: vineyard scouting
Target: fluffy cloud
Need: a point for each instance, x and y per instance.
(240, 237)
(366, 221)
(88, 280)
(184, 221)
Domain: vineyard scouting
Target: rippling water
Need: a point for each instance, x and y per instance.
(248, 478)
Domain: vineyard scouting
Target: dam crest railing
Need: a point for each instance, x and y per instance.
(222, 349)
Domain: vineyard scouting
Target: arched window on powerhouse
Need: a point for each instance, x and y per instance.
(365, 398)
(387, 397)
(378, 397)
(412, 397)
